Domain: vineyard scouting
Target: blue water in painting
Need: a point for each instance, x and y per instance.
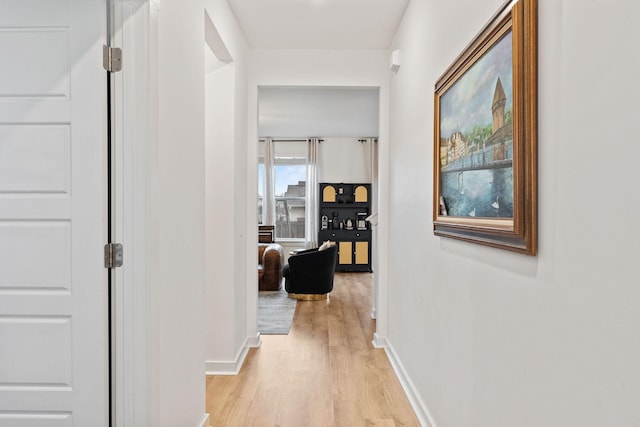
(486, 193)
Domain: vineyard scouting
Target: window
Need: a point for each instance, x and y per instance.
(289, 175)
(290, 199)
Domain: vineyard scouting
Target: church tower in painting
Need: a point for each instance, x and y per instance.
(499, 101)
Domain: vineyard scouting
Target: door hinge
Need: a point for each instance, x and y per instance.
(113, 255)
(111, 58)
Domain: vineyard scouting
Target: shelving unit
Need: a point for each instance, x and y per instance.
(343, 209)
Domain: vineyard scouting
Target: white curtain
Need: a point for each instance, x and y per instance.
(375, 189)
(311, 226)
(373, 150)
(269, 186)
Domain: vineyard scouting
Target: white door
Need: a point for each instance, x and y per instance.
(53, 286)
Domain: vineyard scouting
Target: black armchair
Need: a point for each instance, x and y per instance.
(309, 274)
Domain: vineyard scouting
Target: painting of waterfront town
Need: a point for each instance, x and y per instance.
(476, 138)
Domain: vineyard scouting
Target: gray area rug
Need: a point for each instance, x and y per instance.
(275, 312)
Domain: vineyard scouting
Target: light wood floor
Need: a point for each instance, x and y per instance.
(325, 373)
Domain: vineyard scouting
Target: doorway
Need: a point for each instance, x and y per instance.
(346, 118)
(133, 29)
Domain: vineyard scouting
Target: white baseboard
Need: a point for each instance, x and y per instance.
(253, 342)
(232, 367)
(205, 421)
(419, 407)
(378, 341)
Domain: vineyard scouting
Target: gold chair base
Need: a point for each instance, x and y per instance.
(309, 297)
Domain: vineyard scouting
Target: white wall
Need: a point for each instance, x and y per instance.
(491, 338)
(227, 333)
(177, 223)
(344, 160)
(245, 332)
(220, 215)
(318, 111)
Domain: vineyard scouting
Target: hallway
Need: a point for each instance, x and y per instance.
(324, 373)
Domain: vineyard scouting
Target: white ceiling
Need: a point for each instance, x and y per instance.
(319, 24)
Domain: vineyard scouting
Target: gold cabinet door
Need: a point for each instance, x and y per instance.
(345, 256)
(362, 252)
(361, 194)
(329, 194)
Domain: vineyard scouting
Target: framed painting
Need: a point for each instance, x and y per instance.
(485, 136)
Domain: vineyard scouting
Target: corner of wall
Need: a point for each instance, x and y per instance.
(379, 341)
(232, 367)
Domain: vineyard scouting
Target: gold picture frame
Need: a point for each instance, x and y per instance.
(485, 136)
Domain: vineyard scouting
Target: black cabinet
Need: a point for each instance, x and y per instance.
(343, 209)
